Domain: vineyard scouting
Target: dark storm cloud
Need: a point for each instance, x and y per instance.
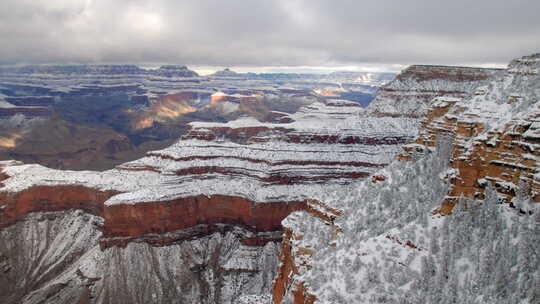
(268, 33)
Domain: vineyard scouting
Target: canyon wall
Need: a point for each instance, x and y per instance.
(424, 228)
(496, 136)
(305, 207)
(411, 92)
(214, 200)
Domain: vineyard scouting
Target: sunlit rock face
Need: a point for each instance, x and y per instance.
(79, 117)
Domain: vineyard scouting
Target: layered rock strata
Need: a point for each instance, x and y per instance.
(496, 136)
(328, 143)
(223, 191)
(411, 92)
(208, 209)
(389, 249)
(226, 246)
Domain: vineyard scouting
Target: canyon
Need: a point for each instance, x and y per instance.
(327, 202)
(141, 109)
(427, 226)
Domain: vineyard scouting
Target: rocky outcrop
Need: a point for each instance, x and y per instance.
(327, 143)
(132, 221)
(226, 246)
(487, 113)
(495, 132)
(294, 259)
(174, 71)
(236, 181)
(410, 93)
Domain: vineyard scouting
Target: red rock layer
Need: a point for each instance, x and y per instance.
(288, 267)
(289, 257)
(15, 206)
(192, 233)
(504, 159)
(447, 73)
(129, 222)
(160, 217)
(499, 160)
(433, 126)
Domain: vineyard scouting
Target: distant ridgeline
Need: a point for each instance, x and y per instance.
(104, 115)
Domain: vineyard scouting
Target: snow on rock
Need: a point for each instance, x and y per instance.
(495, 133)
(200, 221)
(410, 94)
(472, 154)
(67, 265)
(170, 210)
(393, 248)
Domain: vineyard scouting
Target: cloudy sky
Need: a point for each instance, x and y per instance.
(269, 33)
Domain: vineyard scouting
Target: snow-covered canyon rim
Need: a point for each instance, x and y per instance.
(202, 220)
(455, 219)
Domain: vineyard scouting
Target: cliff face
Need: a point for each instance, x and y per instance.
(496, 136)
(295, 258)
(56, 258)
(327, 143)
(412, 100)
(410, 94)
(215, 199)
(283, 210)
(65, 242)
(473, 152)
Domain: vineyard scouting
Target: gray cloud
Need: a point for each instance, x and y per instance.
(268, 33)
